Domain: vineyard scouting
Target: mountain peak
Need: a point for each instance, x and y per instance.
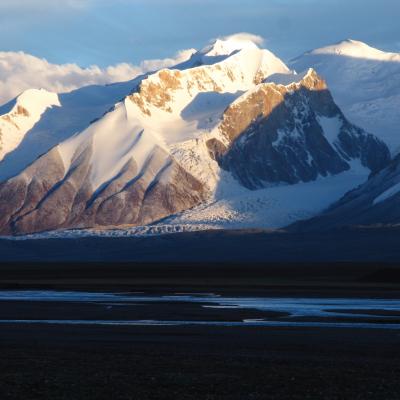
(20, 115)
(222, 48)
(37, 99)
(356, 49)
(226, 46)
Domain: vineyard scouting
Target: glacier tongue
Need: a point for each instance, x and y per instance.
(273, 207)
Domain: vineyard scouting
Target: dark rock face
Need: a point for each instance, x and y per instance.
(42, 198)
(216, 149)
(276, 135)
(376, 202)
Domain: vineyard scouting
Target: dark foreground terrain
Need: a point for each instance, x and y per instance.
(74, 362)
(198, 363)
(353, 245)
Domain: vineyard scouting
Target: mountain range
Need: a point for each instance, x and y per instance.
(232, 137)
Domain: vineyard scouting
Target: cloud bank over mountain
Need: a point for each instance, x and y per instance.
(20, 71)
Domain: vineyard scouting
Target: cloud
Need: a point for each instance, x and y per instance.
(20, 71)
(153, 65)
(244, 36)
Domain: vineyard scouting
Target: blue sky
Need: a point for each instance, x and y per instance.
(106, 32)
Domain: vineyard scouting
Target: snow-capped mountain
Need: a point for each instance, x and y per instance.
(20, 116)
(49, 119)
(365, 83)
(191, 138)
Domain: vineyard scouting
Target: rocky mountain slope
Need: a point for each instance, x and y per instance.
(365, 83)
(292, 134)
(375, 203)
(187, 138)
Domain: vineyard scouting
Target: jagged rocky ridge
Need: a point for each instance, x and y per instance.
(291, 134)
(160, 150)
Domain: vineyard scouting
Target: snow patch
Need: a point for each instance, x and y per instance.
(387, 194)
(331, 128)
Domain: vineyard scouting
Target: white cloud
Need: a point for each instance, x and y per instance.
(244, 36)
(153, 65)
(20, 71)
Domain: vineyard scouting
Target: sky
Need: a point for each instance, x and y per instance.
(61, 45)
(107, 32)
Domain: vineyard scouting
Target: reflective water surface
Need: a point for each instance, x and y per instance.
(297, 312)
